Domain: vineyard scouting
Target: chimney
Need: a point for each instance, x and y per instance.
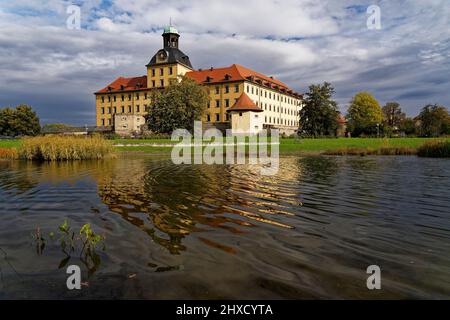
(212, 69)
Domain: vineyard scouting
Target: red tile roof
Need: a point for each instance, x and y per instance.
(126, 84)
(244, 103)
(237, 72)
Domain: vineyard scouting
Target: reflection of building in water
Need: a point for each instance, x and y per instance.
(171, 201)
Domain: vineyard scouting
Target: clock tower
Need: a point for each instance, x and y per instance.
(169, 63)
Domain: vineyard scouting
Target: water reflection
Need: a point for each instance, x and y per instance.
(200, 231)
(179, 200)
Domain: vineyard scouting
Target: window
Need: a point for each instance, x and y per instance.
(217, 117)
(138, 108)
(145, 95)
(161, 71)
(122, 97)
(236, 88)
(161, 82)
(208, 117)
(252, 90)
(227, 89)
(208, 105)
(227, 103)
(217, 103)
(248, 89)
(115, 109)
(109, 110)
(153, 72)
(114, 98)
(122, 109)
(109, 122)
(129, 97)
(103, 110)
(227, 117)
(153, 83)
(103, 122)
(240, 114)
(170, 70)
(217, 89)
(129, 109)
(103, 99)
(109, 99)
(137, 96)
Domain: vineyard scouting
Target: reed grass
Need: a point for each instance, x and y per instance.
(9, 153)
(383, 151)
(435, 149)
(55, 148)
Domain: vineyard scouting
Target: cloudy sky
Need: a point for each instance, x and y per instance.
(56, 69)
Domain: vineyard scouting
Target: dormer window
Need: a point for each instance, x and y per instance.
(122, 87)
(227, 77)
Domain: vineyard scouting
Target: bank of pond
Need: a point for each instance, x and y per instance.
(61, 148)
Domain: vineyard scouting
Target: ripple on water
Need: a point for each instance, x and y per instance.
(227, 231)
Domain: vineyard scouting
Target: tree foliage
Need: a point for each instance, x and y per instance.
(19, 121)
(434, 121)
(177, 107)
(319, 115)
(364, 114)
(408, 126)
(393, 114)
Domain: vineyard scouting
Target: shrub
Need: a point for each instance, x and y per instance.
(435, 149)
(53, 148)
(383, 151)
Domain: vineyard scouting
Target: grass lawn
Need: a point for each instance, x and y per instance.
(296, 145)
(9, 143)
(319, 145)
(286, 145)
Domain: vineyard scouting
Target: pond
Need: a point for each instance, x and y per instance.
(227, 232)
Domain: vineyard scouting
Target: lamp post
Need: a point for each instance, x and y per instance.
(378, 130)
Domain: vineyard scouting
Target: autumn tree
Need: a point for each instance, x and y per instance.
(364, 114)
(434, 121)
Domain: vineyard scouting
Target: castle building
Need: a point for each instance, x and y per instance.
(240, 98)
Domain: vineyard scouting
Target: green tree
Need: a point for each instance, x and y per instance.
(19, 121)
(55, 127)
(408, 126)
(434, 120)
(177, 106)
(364, 114)
(319, 115)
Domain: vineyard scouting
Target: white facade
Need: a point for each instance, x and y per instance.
(249, 122)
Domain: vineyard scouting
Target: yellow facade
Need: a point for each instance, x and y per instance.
(279, 104)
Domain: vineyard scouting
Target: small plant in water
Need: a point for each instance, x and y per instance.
(69, 241)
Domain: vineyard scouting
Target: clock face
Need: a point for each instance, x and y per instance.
(162, 56)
